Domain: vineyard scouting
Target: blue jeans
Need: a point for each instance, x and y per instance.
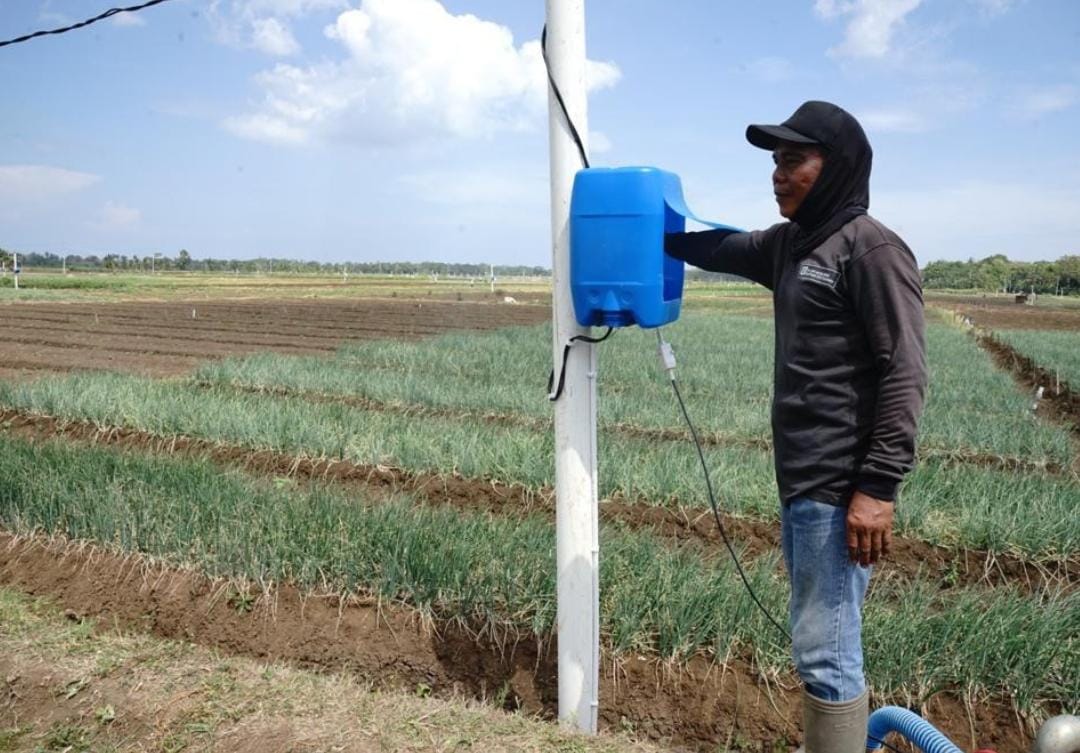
(827, 591)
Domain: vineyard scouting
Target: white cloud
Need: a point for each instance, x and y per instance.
(117, 216)
(273, 37)
(873, 24)
(411, 71)
(1035, 221)
(1039, 101)
(893, 121)
(127, 19)
(20, 184)
(264, 24)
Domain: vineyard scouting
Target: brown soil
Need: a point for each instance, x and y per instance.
(165, 339)
(699, 706)
(1060, 402)
(1002, 312)
(910, 558)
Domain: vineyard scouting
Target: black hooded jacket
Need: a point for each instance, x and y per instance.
(850, 362)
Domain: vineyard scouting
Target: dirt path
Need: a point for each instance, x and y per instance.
(699, 706)
(910, 559)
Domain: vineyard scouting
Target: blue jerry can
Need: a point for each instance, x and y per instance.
(619, 273)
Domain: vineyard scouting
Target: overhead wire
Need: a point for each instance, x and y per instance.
(81, 24)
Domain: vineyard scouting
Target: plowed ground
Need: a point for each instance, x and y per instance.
(169, 339)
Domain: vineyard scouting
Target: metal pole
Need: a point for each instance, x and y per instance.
(577, 548)
(15, 268)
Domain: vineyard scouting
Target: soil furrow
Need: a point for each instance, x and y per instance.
(695, 706)
(681, 525)
(1059, 401)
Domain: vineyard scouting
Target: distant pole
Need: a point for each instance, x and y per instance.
(491, 277)
(577, 547)
(15, 268)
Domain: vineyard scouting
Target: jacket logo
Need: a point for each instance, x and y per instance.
(820, 275)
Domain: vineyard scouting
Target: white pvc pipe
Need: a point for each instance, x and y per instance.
(578, 548)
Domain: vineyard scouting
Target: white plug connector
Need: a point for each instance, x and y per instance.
(667, 355)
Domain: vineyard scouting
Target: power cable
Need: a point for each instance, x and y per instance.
(553, 396)
(87, 22)
(558, 98)
(668, 359)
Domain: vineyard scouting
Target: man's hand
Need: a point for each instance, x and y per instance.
(869, 529)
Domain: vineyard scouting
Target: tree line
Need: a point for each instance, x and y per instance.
(998, 273)
(184, 262)
(994, 273)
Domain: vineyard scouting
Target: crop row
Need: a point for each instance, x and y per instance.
(1030, 513)
(725, 368)
(1058, 352)
(498, 573)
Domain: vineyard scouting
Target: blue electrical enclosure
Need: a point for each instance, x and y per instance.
(619, 273)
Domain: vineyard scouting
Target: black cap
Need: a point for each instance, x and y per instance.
(813, 123)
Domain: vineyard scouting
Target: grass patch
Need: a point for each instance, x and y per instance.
(191, 698)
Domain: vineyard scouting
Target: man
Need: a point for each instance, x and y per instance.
(849, 381)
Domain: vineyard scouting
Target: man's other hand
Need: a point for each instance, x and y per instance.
(869, 529)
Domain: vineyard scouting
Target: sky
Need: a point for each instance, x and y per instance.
(394, 130)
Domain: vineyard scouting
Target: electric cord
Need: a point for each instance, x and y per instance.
(882, 742)
(553, 396)
(668, 358)
(558, 98)
(95, 19)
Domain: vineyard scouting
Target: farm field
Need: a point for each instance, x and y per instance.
(392, 456)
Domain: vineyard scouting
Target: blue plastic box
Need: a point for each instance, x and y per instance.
(619, 273)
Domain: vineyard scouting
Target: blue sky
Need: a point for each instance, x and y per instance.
(368, 130)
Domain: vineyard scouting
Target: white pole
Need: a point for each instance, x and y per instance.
(577, 548)
(15, 268)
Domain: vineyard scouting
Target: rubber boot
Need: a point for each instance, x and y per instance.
(834, 727)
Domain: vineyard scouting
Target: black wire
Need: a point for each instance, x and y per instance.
(558, 98)
(106, 14)
(882, 742)
(565, 355)
(585, 161)
(716, 514)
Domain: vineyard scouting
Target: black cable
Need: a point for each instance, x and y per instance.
(716, 513)
(585, 161)
(558, 98)
(882, 742)
(95, 19)
(565, 354)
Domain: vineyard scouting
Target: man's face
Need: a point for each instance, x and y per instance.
(797, 168)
